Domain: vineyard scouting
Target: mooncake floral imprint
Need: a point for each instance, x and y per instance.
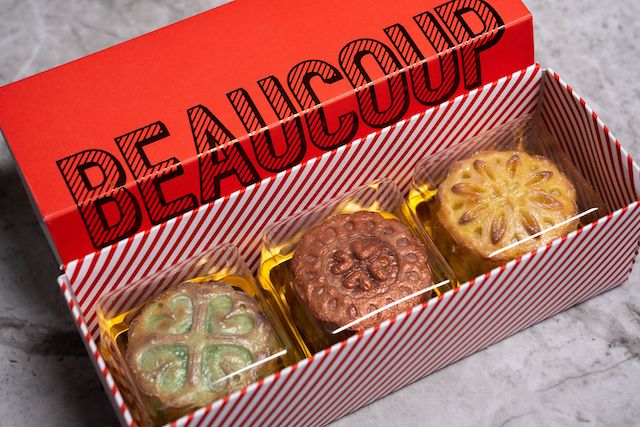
(196, 342)
(499, 205)
(357, 270)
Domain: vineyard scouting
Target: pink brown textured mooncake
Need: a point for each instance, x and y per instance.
(360, 266)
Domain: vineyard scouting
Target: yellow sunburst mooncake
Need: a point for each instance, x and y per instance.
(498, 205)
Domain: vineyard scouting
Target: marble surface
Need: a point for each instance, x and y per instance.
(580, 367)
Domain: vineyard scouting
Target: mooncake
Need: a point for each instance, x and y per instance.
(357, 270)
(196, 343)
(498, 205)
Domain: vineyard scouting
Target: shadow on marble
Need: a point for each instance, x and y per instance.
(46, 362)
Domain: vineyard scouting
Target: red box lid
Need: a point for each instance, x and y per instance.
(113, 143)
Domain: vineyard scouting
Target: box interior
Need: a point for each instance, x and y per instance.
(391, 153)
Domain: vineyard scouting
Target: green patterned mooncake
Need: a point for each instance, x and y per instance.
(196, 342)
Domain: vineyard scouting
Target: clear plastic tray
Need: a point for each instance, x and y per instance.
(190, 335)
(499, 196)
(350, 264)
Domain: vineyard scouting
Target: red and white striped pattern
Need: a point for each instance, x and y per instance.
(371, 365)
(224, 257)
(380, 360)
(589, 143)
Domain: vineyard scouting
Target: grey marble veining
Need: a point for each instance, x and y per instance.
(580, 367)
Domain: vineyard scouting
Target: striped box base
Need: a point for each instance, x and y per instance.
(369, 365)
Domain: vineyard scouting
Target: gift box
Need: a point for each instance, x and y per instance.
(203, 133)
